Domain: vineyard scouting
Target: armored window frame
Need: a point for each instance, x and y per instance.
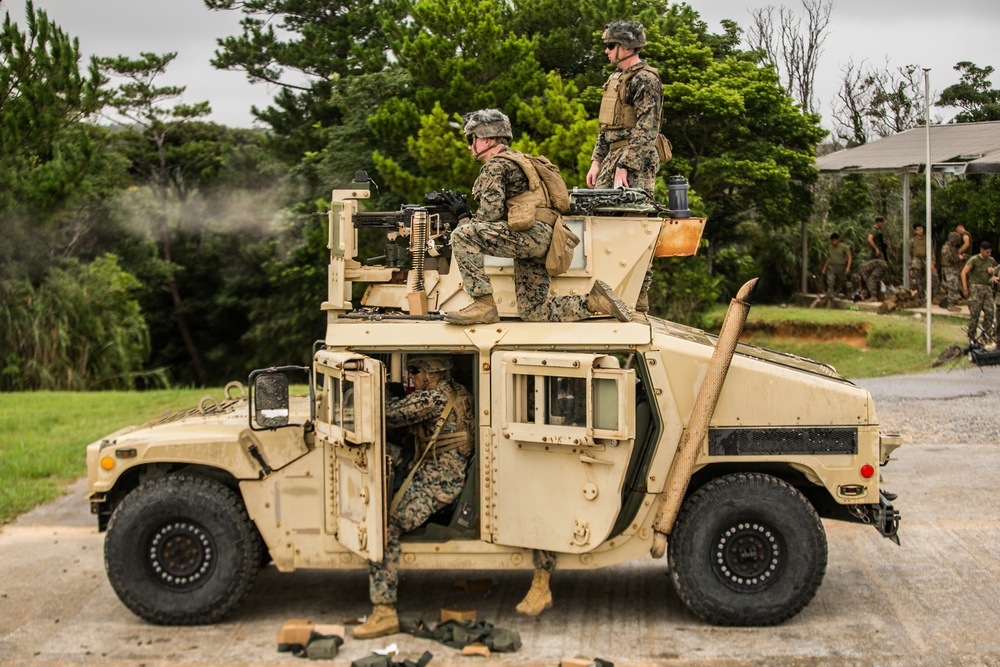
(534, 381)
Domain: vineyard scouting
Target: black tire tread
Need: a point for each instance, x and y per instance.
(740, 609)
(213, 497)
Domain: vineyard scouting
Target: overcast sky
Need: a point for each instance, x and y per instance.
(923, 32)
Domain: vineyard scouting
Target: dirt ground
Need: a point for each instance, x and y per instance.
(931, 601)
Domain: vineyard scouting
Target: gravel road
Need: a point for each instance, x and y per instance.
(960, 405)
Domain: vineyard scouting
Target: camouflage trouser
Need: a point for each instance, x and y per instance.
(436, 484)
(644, 178)
(836, 279)
(953, 283)
(544, 560)
(531, 281)
(980, 300)
(872, 273)
(918, 277)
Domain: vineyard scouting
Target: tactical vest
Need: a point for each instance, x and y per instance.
(616, 113)
(546, 197)
(465, 421)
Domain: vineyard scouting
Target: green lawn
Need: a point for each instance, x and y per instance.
(43, 434)
(893, 344)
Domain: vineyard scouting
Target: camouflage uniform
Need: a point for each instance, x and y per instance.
(980, 295)
(872, 273)
(951, 267)
(638, 152)
(488, 233)
(918, 267)
(836, 267)
(633, 148)
(436, 484)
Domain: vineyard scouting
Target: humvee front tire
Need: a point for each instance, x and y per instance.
(748, 549)
(181, 550)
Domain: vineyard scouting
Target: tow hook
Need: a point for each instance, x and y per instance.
(886, 518)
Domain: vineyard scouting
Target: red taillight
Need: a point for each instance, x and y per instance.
(867, 471)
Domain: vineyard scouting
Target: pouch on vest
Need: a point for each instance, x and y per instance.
(521, 211)
(561, 247)
(663, 148)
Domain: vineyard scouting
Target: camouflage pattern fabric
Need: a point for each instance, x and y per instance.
(981, 301)
(836, 280)
(918, 276)
(951, 267)
(872, 273)
(488, 233)
(435, 485)
(953, 283)
(645, 92)
(544, 560)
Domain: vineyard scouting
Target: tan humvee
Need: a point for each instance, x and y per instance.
(600, 440)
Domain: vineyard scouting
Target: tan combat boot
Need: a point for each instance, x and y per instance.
(483, 310)
(382, 621)
(602, 300)
(539, 597)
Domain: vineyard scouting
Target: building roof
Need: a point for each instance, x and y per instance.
(970, 148)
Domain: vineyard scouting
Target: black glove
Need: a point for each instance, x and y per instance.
(456, 204)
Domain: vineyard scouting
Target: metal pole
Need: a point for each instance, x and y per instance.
(805, 257)
(906, 230)
(927, 174)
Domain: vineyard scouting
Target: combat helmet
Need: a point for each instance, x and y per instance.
(487, 124)
(432, 363)
(955, 239)
(629, 34)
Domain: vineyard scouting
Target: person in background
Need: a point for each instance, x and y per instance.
(837, 266)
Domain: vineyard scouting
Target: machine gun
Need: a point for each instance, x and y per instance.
(439, 216)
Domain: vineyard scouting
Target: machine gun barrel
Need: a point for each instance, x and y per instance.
(403, 217)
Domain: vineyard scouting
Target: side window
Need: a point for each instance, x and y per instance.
(344, 379)
(567, 398)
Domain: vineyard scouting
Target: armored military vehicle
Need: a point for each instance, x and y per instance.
(601, 440)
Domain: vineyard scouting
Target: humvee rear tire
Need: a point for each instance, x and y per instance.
(748, 549)
(181, 550)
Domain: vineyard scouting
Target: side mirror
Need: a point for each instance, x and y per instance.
(270, 399)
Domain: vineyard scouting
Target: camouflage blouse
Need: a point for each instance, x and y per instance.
(498, 181)
(419, 407)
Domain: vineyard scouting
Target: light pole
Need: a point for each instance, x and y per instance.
(927, 174)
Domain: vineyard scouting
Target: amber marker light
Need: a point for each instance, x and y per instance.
(107, 463)
(867, 470)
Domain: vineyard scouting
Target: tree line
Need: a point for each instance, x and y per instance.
(145, 246)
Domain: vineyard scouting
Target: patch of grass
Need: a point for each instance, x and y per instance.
(894, 344)
(43, 436)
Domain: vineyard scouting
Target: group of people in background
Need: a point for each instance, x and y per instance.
(966, 279)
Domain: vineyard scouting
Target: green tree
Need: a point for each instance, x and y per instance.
(141, 102)
(746, 149)
(82, 328)
(55, 176)
(974, 94)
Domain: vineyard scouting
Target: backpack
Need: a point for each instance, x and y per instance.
(547, 194)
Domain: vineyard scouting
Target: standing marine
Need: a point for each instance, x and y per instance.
(625, 153)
